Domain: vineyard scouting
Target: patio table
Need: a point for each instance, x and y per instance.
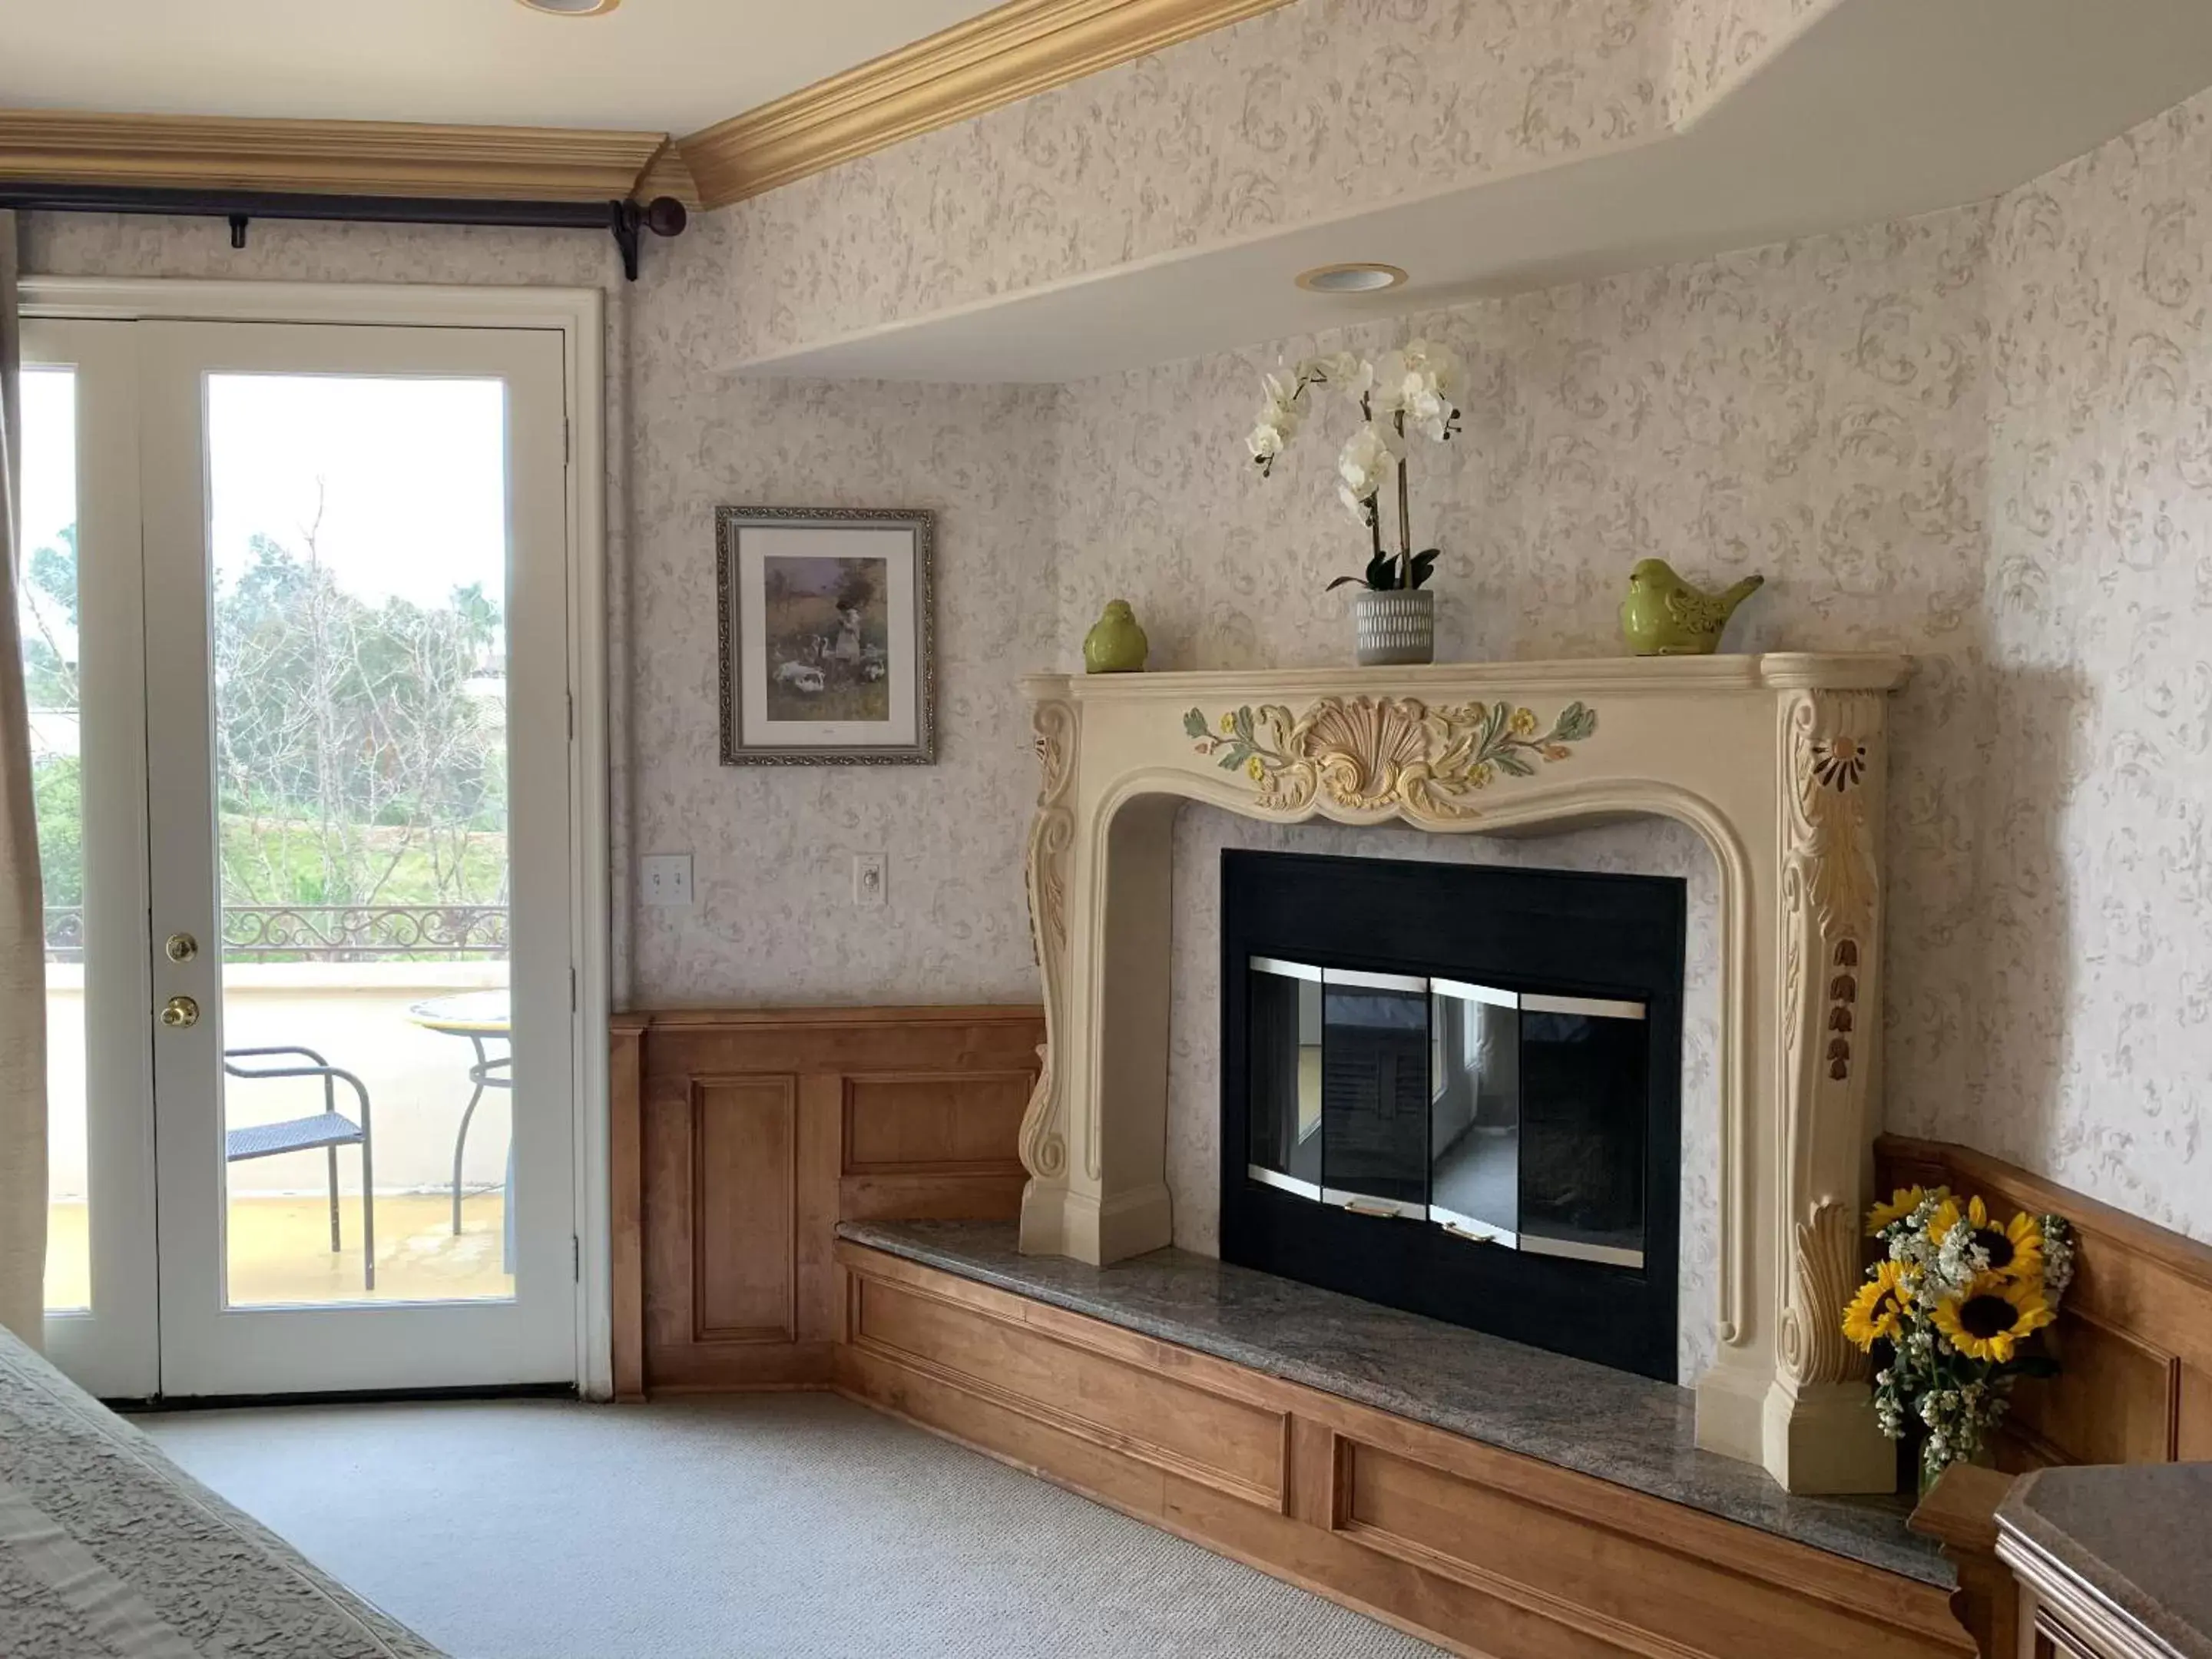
(483, 1017)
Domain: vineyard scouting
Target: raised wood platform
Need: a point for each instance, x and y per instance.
(1485, 1551)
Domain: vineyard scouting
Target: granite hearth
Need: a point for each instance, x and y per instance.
(1631, 1430)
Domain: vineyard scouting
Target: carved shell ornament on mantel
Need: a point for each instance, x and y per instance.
(1380, 754)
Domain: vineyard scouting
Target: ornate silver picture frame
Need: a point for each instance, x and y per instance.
(829, 635)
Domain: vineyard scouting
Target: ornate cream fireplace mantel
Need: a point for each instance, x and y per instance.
(1776, 761)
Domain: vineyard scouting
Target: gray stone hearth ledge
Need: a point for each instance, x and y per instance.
(1629, 1430)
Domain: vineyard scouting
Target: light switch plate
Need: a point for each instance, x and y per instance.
(868, 881)
(665, 879)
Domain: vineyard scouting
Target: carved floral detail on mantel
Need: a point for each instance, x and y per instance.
(1382, 754)
(1830, 928)
(1051, 834)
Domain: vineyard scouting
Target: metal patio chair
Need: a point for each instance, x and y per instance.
(329, 1129)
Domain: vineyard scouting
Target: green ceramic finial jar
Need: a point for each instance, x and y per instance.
(1115, 645)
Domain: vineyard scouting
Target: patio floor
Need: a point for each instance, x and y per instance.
(280, 1251)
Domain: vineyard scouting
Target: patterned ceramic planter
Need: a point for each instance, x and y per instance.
(1395, 627)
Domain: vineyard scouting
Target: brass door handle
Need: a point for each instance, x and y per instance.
(178, 1013)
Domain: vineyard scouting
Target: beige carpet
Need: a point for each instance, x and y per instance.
(796, 1525)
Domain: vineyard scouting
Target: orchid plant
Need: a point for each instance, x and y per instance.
(1411, 393)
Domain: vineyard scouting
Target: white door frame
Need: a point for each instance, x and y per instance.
(579, 316)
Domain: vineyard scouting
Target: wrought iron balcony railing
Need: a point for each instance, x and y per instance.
(328, 932)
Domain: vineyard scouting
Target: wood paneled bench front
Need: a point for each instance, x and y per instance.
(1483, 1551)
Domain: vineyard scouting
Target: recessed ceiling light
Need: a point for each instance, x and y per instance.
(1358, 278)
(572, 8)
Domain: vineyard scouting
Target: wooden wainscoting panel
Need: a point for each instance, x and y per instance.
(1174, 1427)
(2135, 1326)
(933, 1146)
(916, 1122)
(1638, 1594)
(2112, 1403)
(744, 1209)
(1482, 1550)
(2192, 1428)
(740, 1138)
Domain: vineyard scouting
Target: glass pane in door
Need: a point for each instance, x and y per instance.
(358, 539)
(46, 611)
(1375, 1091)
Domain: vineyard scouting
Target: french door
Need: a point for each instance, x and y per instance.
(297, 597)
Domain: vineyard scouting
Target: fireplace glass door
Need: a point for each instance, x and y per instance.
(1474, 1119)
(1375, 1092)
(1286, 1016)
(1504, 1117)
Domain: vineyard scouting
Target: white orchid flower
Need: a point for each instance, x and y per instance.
(1422, 382)
(1266, 441)
(1340, 372)
(1439, 367)
(1390, 371)
(1368, 456)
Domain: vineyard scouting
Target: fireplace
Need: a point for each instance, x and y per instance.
(1455, 1090)
(1778, 763)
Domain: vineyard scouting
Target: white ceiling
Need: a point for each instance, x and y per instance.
(1885, 109)
(655, 65)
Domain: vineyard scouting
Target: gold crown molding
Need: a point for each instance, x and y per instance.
(350, 158)
(1011, 53)
(667, 175)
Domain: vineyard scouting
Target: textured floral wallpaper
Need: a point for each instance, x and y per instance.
(773, 920)
(1806, 410)
(1984, 437)
(2085, 1040)
(1314, 109)
(1716, 42)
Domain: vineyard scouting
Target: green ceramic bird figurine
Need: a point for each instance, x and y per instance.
(1664, 616)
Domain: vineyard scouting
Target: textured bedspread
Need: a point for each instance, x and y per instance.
(109, 1551)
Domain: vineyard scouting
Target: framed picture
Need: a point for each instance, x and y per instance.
(828, 636)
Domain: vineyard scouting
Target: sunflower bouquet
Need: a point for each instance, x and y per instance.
(1951, 1306)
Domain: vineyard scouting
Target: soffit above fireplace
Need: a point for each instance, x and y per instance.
(1776, 761)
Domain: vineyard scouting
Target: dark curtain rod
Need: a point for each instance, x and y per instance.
(625, 220)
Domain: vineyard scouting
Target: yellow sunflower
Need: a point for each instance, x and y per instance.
(1994, 1317)
(1877, 1312)
(1902, 1203)
(2015, 1249)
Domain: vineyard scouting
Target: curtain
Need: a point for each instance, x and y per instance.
(22, 910)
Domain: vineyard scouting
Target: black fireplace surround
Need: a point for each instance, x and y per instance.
(1456, 1089)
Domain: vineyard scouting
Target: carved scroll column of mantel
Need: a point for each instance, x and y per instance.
(1794, 828)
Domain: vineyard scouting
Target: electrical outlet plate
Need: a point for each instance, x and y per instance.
(868, 880)
(665, 879)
